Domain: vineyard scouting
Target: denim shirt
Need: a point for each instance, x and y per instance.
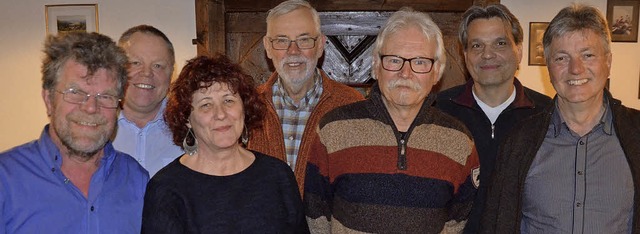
(36, 197)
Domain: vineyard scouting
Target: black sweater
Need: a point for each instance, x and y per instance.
(263, 198)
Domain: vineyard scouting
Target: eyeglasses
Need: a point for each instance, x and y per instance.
(79, 97)
(283, 43)
(417, 64)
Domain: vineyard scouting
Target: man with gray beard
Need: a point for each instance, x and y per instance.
(298, 93)
(71, 180)
(393, 163)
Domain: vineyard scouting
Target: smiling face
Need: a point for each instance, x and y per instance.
(579, 67)
(492, 57)
(217, 118)
(295, 66)
(406, 88)
(150, 69)
(83, 129)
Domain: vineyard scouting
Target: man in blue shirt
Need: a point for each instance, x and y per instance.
(141, 131)
(71, 180)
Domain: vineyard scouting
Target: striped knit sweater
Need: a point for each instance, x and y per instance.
(364, 176)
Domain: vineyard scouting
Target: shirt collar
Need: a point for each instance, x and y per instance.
(606, 120)
(278, 88)
(521, 100)
(158, 117)
(51, 154)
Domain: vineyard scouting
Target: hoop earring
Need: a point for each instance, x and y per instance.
(190, 149)
(245, 136)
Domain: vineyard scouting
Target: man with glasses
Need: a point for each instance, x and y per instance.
(493, 100)
(71, 179)
(393, 163)
(298, 93)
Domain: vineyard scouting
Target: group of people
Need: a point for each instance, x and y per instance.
(128, 151)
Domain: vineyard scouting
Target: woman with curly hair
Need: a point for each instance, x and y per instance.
(218, 186)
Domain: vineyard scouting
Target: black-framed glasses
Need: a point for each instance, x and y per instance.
(417, 64)
(76, 96)
(283, 43)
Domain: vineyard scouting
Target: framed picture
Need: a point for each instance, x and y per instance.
(536, 50)
(623, 20)
(71, 17)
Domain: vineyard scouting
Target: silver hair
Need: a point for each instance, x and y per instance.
(575, 18)
(292, 5)
(407, 17)
(490, 11)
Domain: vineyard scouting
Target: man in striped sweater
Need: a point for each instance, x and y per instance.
(393, 163)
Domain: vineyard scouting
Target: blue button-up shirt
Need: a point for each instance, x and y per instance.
(36, 197)
(151, 145)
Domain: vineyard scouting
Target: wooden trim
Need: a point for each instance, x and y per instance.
(210, 27)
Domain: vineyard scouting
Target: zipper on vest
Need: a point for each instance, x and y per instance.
(493, 131)
(402, 156)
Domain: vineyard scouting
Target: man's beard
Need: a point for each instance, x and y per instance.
(296, 83)
(73, 142)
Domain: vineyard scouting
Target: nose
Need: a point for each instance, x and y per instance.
(576, 66)
(90, 106)
(219, 113)
(293, 48)
(488, 52)
(146, 71)
(406, 71)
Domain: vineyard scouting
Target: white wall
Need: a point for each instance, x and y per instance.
(22, 32)
(625, 70)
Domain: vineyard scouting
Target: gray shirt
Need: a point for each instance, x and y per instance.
(578, 184)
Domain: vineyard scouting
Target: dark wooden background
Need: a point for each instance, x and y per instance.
(236, 28)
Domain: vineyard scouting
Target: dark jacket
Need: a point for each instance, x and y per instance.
(503, 208)
(459, 102)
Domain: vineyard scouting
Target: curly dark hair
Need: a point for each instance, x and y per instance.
(200, 73)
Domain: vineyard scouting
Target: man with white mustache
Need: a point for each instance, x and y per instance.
(575, 167)
(492, 102)
(393, 163)
(298, 93)
(142, 132)
(71, 179)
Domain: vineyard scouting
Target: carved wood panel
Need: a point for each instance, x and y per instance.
(350, 34)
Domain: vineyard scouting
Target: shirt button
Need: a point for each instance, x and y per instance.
(580, 173)
(581, 142)
(291, 138)
(579, 204)
(92, 208)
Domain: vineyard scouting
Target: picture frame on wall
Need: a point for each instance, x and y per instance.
(536, 49)
(622, 16)
(71, 17)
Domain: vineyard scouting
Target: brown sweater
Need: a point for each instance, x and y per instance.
(270, 140)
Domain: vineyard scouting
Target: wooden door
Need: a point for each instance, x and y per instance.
(236, 28)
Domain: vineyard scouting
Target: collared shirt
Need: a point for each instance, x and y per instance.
(578, 184)
(151, 145)
(294, 117)
(36, 197)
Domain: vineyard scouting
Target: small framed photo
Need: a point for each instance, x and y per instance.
(71, 17)
(623, 20)
(536, 50)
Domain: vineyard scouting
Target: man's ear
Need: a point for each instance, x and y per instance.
(322, 40)
(46, 97)
(267, 46)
